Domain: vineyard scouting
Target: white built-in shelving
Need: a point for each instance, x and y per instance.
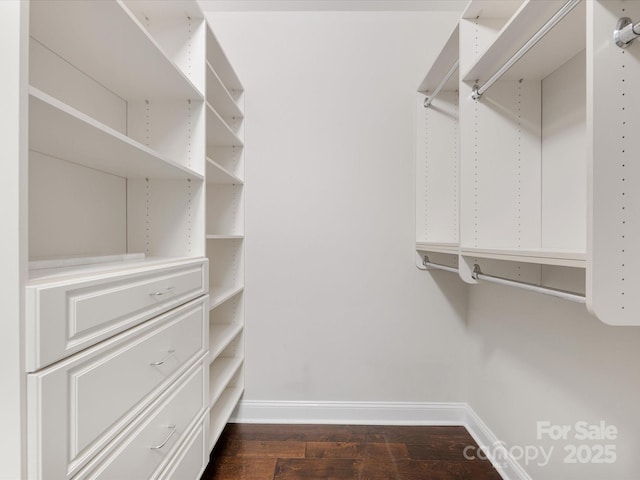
(115, 183)
(222, 371)
(61, 131)
(132, 63)
(225, 216)
(523, 197)
(116, 130)
(217, 174)
(224, 406)
(221, 295)
(224, 174)
(218, 94)
(225, 237)
(219, 132)
(226, 383)
(437, 159)
(132, 186)
(541, 194)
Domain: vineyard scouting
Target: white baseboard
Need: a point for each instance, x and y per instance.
(382, 413)
(504, 463)
(350, 413)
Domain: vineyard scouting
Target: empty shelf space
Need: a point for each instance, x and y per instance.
(219, 134)
(219, 97)
(61, 131)
(221, 411)
(560, 44)
(443, 64)
(220, 335)
(221, 372)
(437, 247)
(143, 72)
(217, 174)
(219, 295)
(220, 63)
(541, 256)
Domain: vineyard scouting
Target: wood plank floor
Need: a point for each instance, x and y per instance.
(337, 452)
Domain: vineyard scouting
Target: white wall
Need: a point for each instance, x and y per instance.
(335, 308)
(537, 358)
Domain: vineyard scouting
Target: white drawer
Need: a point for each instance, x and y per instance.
(191, 459)
(146, 449)
(78, 405)
(65, 317)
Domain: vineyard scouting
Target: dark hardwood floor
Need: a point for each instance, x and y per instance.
(336, 452)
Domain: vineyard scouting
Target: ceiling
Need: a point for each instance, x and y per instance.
(331, 5)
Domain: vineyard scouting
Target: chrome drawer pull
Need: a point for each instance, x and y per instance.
(160, 362)
(173, 430)
(162, 292)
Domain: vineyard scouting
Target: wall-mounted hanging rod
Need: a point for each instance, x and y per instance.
(438, 266)
(626, 32)
(429, 99)
(573, 297)
(560, 14)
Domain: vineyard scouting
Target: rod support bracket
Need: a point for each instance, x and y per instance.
(476, 271)
(427, 102)
(475, 93)
(626, 32)
(425, 261)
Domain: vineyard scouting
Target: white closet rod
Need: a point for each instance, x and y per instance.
(573, 297)
(429, 99)
(560, 14)
(438, 266)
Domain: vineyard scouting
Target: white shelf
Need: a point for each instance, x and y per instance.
(114, 48)
(73, 270)
(541, 256)
(222, 369)
(217, 296)
(219, 134)
(218, 59)
(447, 58)
(437, 171)
(220, 336)
(58, 130)
(165, 9)
(491, 9)
(76, 261)
(218, 175)
(219, 97)
(562, 43)
(221, 411)
(225, 237)
(451, 248)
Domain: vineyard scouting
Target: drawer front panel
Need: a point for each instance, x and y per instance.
(191, 460)
(65, 318)
(83, 402)
(147, 450)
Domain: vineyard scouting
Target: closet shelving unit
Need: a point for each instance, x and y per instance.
(437, 161)
(545, 186)
(524, 158)
(116, 160)
(117, 266)
(133, 187)
(96, 131)
(523, 167)
(225, 235)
